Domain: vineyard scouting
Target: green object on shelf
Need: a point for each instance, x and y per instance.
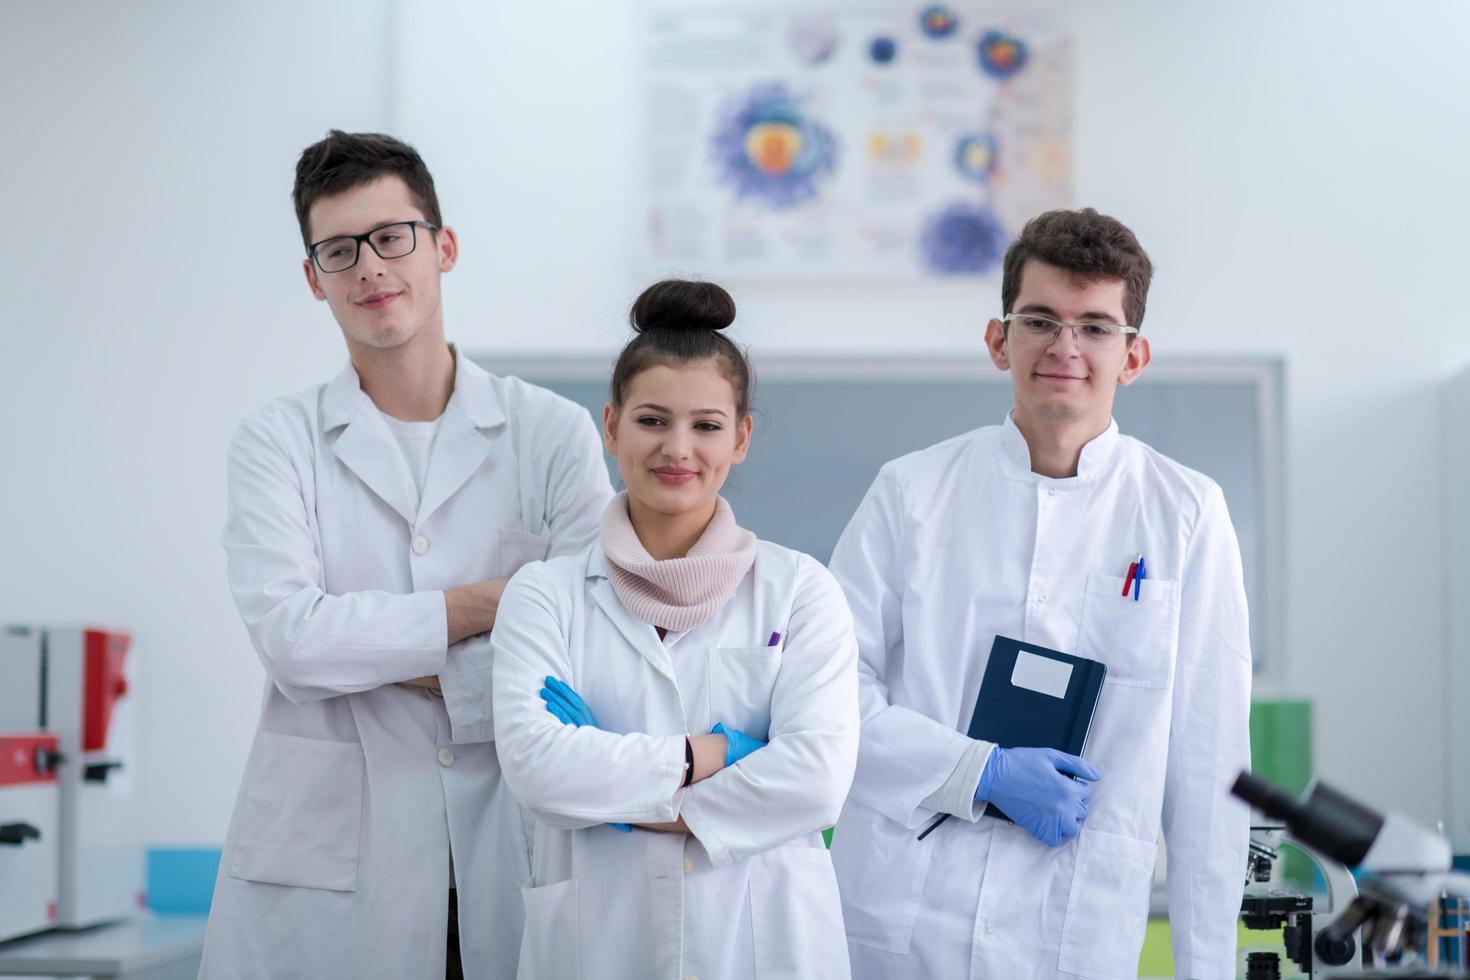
(1281, 742)
(1281, 751)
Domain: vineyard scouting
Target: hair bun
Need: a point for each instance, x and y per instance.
(682, 304)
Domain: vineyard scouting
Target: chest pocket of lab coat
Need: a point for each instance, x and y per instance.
(300, 820)
(517, 548)
(1135, 639)
(740, 683)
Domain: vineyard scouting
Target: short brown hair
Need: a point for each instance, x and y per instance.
(1090, 245)
(678, 322)
(343, 161)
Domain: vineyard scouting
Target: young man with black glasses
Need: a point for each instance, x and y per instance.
(373, 523)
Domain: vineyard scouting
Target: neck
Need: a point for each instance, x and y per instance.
(411, 382)
(1056, 445)
(666, 536)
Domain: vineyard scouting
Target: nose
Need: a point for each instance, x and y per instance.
(1064, 344)
(676, 444)
(369, 266)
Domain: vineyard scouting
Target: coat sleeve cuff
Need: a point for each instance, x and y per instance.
(903, 758)
(957, 795)
(704, 828)
(468, 692)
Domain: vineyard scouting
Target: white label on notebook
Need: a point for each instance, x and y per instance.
(1041, 674)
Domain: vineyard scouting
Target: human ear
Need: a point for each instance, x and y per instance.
(610, 429)
(311, 280)
(1136, 360)
(447, 243)
(995, 344)
(742, 438)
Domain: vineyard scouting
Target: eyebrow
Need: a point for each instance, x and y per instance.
(697, 411)
(1088, 317)
(377, 227)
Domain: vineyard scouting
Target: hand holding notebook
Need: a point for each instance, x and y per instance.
(1035, 789)
(1033, 699)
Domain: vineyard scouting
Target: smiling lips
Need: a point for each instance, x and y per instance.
(674, 475)
(376, 301)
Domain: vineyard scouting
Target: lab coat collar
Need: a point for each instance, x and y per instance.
(597, 563)
(466, 434)
(640, 635)
(474, 395)
(366, 446)
(1095, 455)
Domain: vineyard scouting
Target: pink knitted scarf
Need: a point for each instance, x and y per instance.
(676, 593)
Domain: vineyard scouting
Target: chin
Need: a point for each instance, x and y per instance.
(671, 501)
(386, 338)
(1060, 410)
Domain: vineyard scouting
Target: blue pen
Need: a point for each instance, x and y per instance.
(775, 638)
(1138, 579)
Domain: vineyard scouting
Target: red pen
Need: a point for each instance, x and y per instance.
(1132, 571)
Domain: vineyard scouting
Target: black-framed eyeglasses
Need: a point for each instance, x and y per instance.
(390, 241)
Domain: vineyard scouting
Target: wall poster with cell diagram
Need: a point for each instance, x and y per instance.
(850, 142)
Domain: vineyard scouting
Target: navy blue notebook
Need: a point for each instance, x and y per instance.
(1032, 696)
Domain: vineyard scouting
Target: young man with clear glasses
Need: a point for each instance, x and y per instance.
(1034, 529)
(373, 522)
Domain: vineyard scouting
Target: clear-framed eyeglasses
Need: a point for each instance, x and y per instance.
(1042, 331)
(390, 241)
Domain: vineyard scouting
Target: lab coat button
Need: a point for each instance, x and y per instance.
(1051, 491)
(989, 930)
(420, 545)
(1041, 599)
(688, 866)
(446, 758)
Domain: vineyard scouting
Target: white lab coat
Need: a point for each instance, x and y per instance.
(337, 859)
(751, 894)
(960, 542)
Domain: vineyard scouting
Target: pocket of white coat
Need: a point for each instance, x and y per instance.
(301, 813)
(796, 914)
(551, 944)
(1107, 910)
(741, 680)
(881, 869)
(518, 548)
(1134, 638)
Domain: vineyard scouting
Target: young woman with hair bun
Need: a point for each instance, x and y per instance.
(677, 706)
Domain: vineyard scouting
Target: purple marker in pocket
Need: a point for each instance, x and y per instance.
(775, 638)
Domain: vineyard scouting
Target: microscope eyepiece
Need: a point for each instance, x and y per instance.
(1334, 824)
(1269, 798)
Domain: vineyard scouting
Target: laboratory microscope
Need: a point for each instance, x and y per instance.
(1404, 869)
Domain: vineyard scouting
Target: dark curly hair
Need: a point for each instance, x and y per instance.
(1090, 245)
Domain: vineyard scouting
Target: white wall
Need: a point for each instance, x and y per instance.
(153, 295)
(1296, 174)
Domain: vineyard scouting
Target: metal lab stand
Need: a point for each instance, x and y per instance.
(141, 949)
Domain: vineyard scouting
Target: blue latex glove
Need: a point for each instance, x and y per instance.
(738, 745)
(568, 706)
(1032, 787)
